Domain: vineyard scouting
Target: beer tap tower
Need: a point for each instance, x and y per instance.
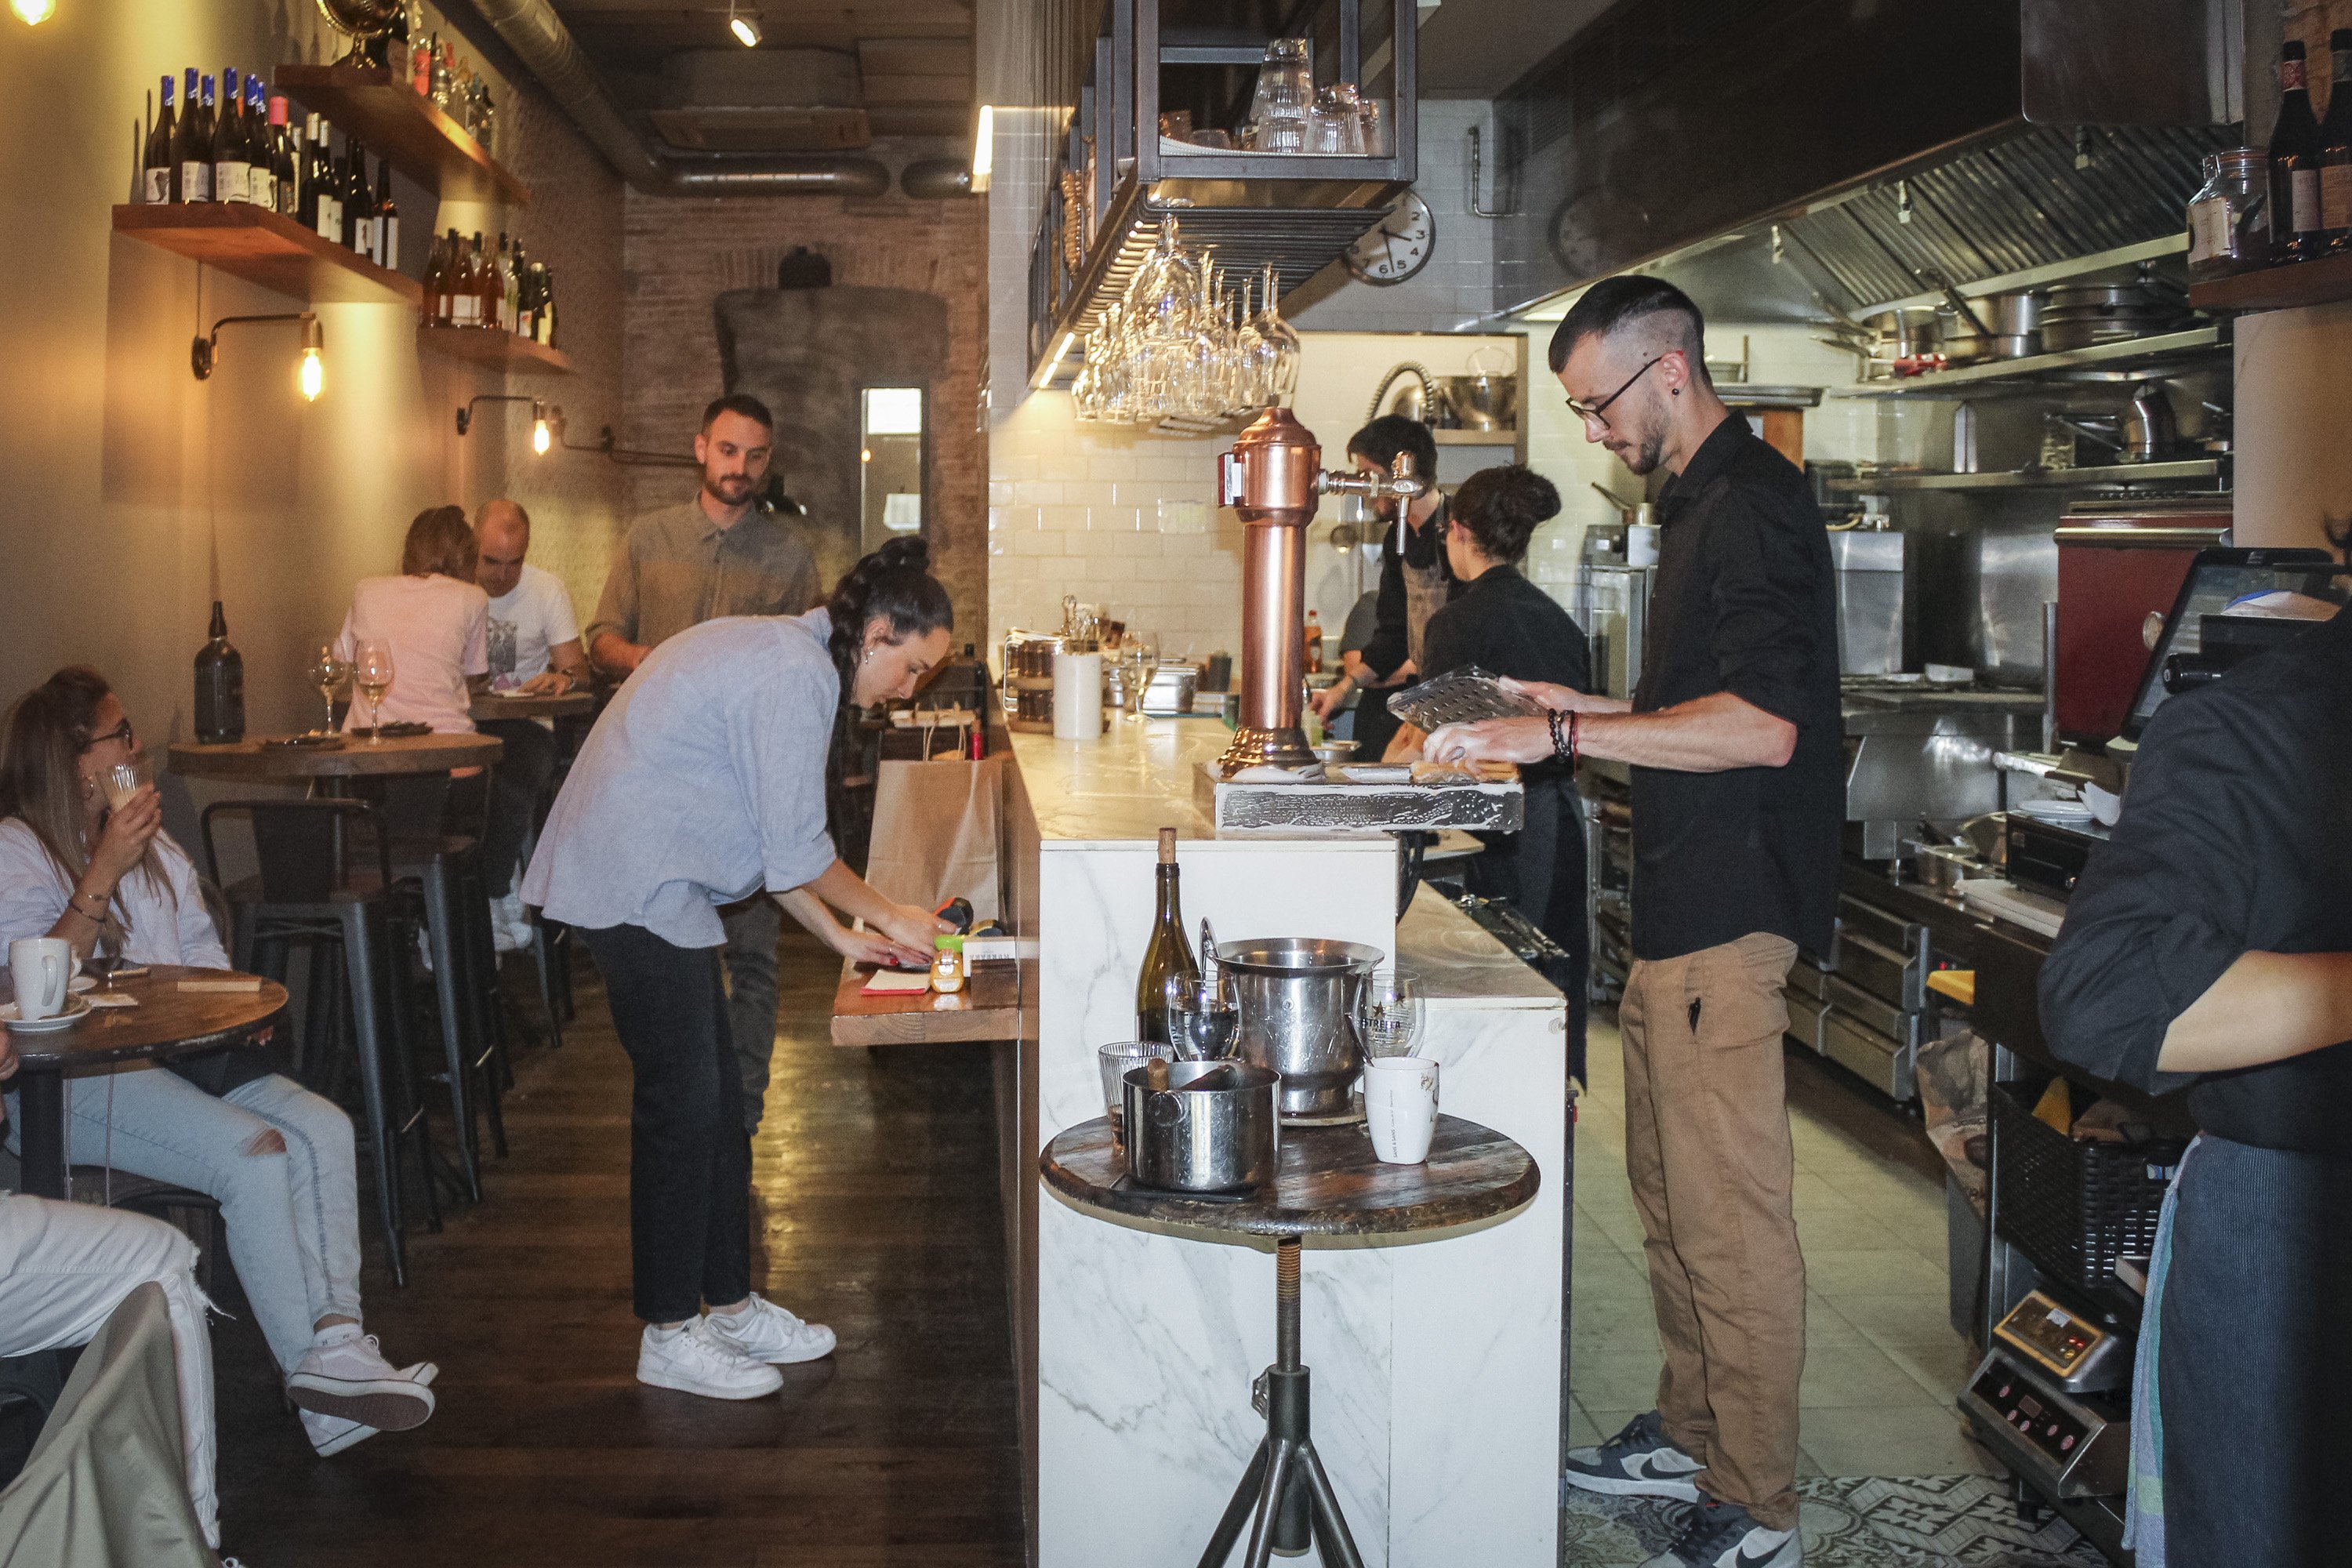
(1274, 477)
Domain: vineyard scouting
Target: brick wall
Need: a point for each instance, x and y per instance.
(679, 254)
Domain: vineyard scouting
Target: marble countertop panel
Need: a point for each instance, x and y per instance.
(1139, 776)
(1459, 965)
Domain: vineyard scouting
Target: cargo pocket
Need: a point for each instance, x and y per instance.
(1736, 993)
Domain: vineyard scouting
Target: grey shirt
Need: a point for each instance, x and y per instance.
(702, 783)
(677, 569)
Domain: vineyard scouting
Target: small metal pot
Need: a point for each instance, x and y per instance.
(2016, 313)
(1297, 995)
(1213, 1130)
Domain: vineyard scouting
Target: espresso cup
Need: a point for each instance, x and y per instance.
(42, 967)
(1400, 1107)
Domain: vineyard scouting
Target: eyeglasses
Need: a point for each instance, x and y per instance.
(121, 732)
(1595, 411)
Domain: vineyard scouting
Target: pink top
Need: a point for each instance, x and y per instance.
(438, 631)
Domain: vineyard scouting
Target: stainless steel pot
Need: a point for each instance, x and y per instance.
(1297, 995)
(1212, 1130)
(2018, 312)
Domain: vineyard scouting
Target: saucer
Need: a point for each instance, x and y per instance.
(75, 1011)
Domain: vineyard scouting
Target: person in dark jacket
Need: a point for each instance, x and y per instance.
(1505, 625)
(1415, 579)
(2207, 948)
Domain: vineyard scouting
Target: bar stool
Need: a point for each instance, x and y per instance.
(308, 891)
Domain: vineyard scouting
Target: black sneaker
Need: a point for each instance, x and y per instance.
(1637, 1462)
(1726, 1535)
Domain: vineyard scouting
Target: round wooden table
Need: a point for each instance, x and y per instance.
(495, 705)
(1328, 1183)
(253, 760)
(168, 1022)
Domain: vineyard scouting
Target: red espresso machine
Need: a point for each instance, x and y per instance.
(1274, 479)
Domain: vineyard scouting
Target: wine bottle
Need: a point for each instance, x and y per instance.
(156, 169)
(482, 280)
(2335, 150)
(546, 322)
(220, 687)
(195, 152)
(433, 295)
(359, 204)
(464, 291)
(260, 166)
(2295, 163)
(228, 144)
(506, 285)
(284, 167)
(1168, 955)
(387, 220)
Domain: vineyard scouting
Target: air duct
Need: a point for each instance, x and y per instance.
(936, 179)
(546, 47)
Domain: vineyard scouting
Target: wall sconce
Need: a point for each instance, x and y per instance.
(744, 26)
(544, 421)
(33, 13)
(204, 352)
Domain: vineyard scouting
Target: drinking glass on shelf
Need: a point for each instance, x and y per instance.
(373, 671)
(1285, 99)
(1388, 1015)
(1204, 1016)
(328, 671)
(1336, 128)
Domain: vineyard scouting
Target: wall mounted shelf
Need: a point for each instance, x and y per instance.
(2103, 362)
(268, 249)
(2319, 282)
(502, 350)
(2103, 477)
(392, 122)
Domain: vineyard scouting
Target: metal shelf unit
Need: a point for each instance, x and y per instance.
(2104, 476)
(2102, 361)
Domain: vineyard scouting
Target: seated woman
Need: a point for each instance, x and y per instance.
(1507, 626)
(433, 618)
(278, 1157)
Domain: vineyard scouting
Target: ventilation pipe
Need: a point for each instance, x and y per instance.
(546, 47)
(936, 179)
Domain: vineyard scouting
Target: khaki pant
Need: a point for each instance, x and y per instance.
(1708, 1149)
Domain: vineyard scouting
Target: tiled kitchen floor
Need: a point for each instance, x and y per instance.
(1882, 1362)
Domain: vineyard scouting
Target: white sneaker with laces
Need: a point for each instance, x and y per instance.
(331, 1435)
(765, 1332)
(343, 1374)
(694, 1360)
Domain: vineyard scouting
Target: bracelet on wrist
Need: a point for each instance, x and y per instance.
(1560, 744)
(1575, 737)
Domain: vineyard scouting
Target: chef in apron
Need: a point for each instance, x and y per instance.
(1415, 579)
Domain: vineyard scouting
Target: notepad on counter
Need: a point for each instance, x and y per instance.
(897, 982)
(110, 999)
(228, 982)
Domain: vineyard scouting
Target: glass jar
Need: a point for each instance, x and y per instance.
(947, 964)
(2229, 218)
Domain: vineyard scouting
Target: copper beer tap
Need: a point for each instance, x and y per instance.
(1273, 478)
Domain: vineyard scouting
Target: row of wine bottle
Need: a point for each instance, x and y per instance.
(468, 285)
(244, 151)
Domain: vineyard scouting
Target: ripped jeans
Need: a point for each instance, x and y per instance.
(290, 1202)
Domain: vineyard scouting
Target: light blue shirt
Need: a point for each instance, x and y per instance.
(702, 783)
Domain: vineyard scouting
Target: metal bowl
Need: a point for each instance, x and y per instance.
(1188, 1139)
(1335, 750)
(1481, 402)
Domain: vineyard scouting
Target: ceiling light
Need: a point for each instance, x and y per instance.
(744, 26)
(33, 13)
(983, 149)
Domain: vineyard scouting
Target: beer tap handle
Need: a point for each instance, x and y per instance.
(1401, 480)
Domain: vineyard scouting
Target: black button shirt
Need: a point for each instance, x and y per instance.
(2236, 837)
(1507, 626)
(1744, 601)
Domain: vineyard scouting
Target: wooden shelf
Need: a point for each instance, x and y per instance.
(987, 1008)
(394, 122)
(505, 351)
(2278, 288)
(268, 249)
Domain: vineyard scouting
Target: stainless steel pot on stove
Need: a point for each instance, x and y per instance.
(1297, 995)
(1212, 1130)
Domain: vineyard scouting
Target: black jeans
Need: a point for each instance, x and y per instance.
(524, 768)
(2255, 1367)
(690, 1163)
(1541, 871)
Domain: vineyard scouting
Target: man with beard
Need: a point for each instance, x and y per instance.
(713, 556)
(1737, 746)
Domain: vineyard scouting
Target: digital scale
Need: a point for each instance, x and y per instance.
(2050, 1400)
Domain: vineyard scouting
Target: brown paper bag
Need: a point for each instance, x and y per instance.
(939, 832)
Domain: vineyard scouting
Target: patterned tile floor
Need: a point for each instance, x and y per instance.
(1868, 1521)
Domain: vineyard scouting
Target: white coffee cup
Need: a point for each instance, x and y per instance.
(42, 967)
(1400, 1107)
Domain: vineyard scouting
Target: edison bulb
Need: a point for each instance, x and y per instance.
(33, 13)
(539, 439)
(314, 375)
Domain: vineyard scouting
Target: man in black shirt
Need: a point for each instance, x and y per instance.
(2208, 948)
(1414, 578)
(1735, 744)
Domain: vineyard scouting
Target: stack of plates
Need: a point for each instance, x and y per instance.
(2064, 813)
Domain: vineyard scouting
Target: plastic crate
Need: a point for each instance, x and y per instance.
(2073, 1206)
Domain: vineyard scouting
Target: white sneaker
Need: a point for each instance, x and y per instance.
(343, 1374)
(331, 1435)
(694, 1360)
(765, 1332)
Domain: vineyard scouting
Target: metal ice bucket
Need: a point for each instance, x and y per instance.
(1201, 1139)
(1297, 995)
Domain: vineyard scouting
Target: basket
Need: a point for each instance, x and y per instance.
(2074, 1206)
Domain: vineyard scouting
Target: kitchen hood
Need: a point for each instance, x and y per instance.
(1873, 140)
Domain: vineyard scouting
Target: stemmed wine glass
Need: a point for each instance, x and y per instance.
(1204, 1016)
(328, 671)
(1388, 1015)
(373, 671)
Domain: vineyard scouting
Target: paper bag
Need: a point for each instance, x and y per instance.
(939, 832)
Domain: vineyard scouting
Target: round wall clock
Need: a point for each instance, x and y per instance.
(1400, 246)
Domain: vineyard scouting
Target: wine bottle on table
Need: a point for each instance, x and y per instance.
(195, 143)
(220, 686)
(157, 171)
(1168, 955)
(2295, 217)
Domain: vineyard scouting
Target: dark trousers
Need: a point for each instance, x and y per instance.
(2254, 1364)
(1540, 871)
(753, 928)
(690, 1163)
(523, 771)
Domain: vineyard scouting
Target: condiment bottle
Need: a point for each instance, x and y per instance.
(947, 964)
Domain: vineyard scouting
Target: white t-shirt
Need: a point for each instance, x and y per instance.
(438, 631)
(525, 623)
(165, 915)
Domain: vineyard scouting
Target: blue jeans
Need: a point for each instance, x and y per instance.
(2254, 1363)
(292, 1212)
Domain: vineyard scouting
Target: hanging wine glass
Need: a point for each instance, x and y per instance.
(1247, 379)
(1282, 359)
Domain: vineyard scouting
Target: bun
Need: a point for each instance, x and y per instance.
(908, 550)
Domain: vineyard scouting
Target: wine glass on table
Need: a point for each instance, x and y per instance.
(373, 671)
(1204, 1016)
(1388, 1015)
(328, 671)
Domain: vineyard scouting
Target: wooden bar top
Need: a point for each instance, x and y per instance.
(255, 758)
(987, 1008)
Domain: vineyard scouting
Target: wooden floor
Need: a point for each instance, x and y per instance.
(875, 1201)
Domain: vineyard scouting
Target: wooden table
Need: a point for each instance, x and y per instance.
(987, 1008)
(491, 706)
(251, 761)
(167, 1022)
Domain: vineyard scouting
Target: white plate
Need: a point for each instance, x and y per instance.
(81, 983)
(2055, 810)
(76, 1010)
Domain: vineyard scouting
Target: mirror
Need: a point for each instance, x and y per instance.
(890, 463)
